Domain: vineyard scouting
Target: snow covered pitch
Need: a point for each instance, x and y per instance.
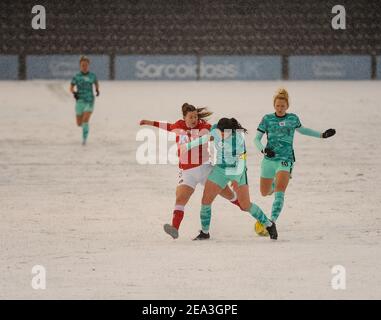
(92, 216)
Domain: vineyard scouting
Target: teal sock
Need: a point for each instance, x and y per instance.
(205, 216)
(277, 205)
(85, 130)
(258, 214)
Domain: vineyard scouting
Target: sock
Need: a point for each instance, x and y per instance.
(234, 197)
(178, 215)
(258, 214)
(277, 205)
(85, 130)
(205, 216)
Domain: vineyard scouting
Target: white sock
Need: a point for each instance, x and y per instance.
(234, 197)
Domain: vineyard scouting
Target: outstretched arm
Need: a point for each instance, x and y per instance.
(161, 125)
(313, 133)
(196, 142)
(308, 132)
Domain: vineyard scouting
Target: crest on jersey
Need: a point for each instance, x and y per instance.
(282, 124)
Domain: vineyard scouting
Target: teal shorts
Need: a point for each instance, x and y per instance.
(82, 106)
(269, 168)
(222, 176)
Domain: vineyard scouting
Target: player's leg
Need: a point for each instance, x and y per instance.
(186, 186)
(246, 205)
(79, 120)
(85, 125)
(227, 193)
(266, 186)
(217, 181)
(255, 211)
(211, 191)
(79, 112)
(282, 180)
(183, 194)
(268, 170)
(230, 194)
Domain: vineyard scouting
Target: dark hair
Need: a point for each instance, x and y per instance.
(201, 112)
(230, 124)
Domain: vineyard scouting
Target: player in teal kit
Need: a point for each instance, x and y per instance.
(279, 155)
(229, 141)
(84, 95)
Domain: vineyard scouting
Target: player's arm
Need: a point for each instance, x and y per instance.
(257, 141)
(261, 130)
(196, 142)
(260, 147)
(313, 133)
(96, 83)
(162, 125)
(72, 91)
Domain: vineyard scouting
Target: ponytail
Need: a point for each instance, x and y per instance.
(230, 124)
(202, 113)
(236, 125)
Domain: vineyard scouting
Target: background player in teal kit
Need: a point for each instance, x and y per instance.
(279, 155)
(229, 141)
(84, 95)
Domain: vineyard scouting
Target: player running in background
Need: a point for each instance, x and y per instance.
(278, 154)
(229, 141)
(84, 95)
(195, 166)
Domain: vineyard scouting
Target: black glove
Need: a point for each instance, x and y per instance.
(328, 133)
(268, 152)
(97, 92)
(76, 95)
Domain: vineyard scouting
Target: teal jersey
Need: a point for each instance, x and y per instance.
(280, 134)
(230, 151)
(84, 83)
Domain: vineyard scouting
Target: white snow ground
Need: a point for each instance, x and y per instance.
(93, 217)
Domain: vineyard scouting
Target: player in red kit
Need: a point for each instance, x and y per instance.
(194, 167)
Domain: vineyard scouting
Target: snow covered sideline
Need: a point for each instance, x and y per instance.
(92, 216)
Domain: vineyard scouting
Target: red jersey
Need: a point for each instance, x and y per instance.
(199, 155)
